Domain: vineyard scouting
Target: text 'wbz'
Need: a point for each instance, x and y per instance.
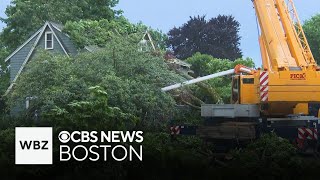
(120, 148)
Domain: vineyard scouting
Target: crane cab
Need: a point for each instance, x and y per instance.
(244, 89)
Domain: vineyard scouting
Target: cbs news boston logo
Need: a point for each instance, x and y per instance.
(34, 145)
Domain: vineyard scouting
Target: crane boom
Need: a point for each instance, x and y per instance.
(283, 42)
(273, 35)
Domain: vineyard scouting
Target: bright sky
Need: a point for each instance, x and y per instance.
(165, 14)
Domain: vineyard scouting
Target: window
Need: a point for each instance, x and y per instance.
(248, 80)
(49, 40)
(235, 89)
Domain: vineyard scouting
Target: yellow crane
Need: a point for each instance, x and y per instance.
(290, 78)
(276, 97)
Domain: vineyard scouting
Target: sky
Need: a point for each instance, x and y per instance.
(166, 14)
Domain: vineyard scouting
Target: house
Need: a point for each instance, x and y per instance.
(49, 37)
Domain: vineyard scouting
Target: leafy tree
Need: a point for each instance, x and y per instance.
(203, 64)
(4, 70)
(100, 32)
(312, 30)
(4, 76)
(217, 37)
(131, 79)
(25, 16)
(270, 157)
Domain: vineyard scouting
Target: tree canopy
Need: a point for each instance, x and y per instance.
(131, 79)
(4, 70)
(218, 37)
(100, 32)
(312, 30)
(25, 16)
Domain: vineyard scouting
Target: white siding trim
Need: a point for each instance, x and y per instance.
(25, 43)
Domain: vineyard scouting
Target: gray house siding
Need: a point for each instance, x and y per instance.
(67, 43)
(17, 60)
(56, 46)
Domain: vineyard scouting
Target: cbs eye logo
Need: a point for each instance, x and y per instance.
(64, 136)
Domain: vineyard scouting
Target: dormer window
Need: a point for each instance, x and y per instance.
(49, 40)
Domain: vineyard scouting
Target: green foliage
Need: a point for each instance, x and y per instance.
(269, 148)
(312, 30)
(100, 32)
(131, 79)
(203, 64)
(269, 157)
(184, 157)
(25, 16)
(7, 148)
(4, 76)
(4, 73)
(92, 113)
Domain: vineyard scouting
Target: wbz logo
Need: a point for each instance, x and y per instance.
(33, 145)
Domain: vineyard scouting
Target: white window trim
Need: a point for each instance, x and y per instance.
(45, 43)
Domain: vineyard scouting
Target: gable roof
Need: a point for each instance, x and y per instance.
(38, 34)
